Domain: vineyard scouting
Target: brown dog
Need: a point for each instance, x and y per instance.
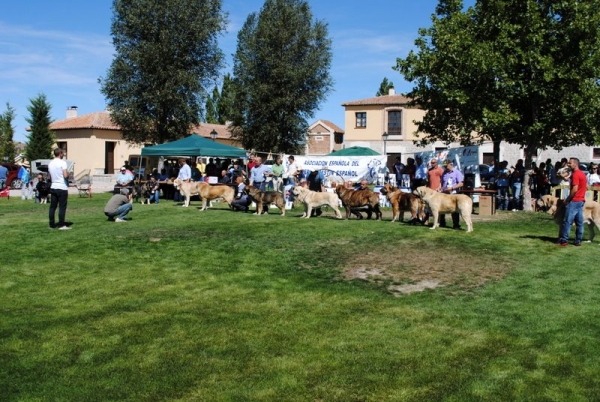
(403, 202)
(206, 191)
(265, 198)
(440, 203)
(353, 200)
(591, 215)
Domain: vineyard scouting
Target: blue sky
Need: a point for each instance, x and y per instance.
(61, 48)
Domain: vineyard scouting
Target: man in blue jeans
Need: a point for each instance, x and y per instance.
(574, 206)
(119, 206)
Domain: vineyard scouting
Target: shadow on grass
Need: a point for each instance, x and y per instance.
(542, 238)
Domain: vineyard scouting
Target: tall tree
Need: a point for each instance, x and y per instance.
(166, 57)
(226, 103)
(384, 87)
(521, 71)
(212, 113)
(281, 74)
(7, 131)
(40, 138)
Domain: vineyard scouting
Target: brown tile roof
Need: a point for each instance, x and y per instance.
(101, 121)
(97, 120)
(204, 129)
(384, 100)
(331, 125)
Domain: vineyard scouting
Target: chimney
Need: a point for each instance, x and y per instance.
(391, 91)
(71, 112)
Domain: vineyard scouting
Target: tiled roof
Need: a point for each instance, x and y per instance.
(102, 121)
(97, 120)
(384, 100)
(334, 127)
(204, 130)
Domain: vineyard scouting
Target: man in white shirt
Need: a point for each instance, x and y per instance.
(185, 172)
(59, 189)
(292, 169)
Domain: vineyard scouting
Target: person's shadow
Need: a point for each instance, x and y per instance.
(542, 238)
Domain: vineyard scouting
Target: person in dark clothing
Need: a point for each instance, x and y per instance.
(315, 183)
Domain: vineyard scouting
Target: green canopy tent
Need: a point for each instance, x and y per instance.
(354, 151)
(194, 145)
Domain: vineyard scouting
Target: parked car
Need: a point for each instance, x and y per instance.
(41, 166)
(11, 178)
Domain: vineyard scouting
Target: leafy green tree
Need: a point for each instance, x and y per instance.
(521, 71)
(166, 56)
(7, 131)
(384, 87)
(40, 138)
(281, 74)
(226, 103)
(212, 113)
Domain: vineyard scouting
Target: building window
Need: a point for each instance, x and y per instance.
(338, 138)
(595, 153)
(395, 122)
(361, 119)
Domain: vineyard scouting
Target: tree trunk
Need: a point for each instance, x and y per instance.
(527, 190)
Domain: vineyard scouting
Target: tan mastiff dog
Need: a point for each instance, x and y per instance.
(591, 214)
(313, 199)
(402, 201)
(265, 199)
(205, 191)
(440, 203)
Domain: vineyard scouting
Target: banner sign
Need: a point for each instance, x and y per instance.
(466, 159)
(349, 168)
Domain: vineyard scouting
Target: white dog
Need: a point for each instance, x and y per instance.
(313, 199)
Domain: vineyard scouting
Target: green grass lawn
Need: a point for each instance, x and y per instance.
(179, 304)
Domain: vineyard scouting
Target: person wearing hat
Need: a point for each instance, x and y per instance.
(124, 178)
(118, 206)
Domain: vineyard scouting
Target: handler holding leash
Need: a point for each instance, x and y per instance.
(452, 180)
(574, 206)
(258, 174)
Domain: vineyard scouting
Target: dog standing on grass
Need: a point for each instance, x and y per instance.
(401, 202)
(264, 199)
(440, 203)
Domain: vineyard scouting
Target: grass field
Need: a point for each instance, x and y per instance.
(179, 304)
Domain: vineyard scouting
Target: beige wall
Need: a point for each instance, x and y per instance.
(86, 147)
(377, 122)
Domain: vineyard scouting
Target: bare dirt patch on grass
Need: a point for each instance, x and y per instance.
(413, 268)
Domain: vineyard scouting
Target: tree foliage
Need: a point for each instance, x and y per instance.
(212, 113)
(166, 57)
(384, 87)
(281, 74)
(521, 71)
(40, 138)
(226, 103)
(7, 131)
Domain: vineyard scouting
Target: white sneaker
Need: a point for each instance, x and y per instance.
(120, 220)
(65, 228)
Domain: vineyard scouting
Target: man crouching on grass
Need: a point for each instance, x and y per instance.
(118, 206)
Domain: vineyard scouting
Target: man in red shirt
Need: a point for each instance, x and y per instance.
(434, 181)
(574, 206)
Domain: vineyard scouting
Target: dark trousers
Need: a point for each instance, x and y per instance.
(58, 198)
(455, 220)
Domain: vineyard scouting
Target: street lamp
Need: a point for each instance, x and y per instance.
(384, 137)
(213, 134)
